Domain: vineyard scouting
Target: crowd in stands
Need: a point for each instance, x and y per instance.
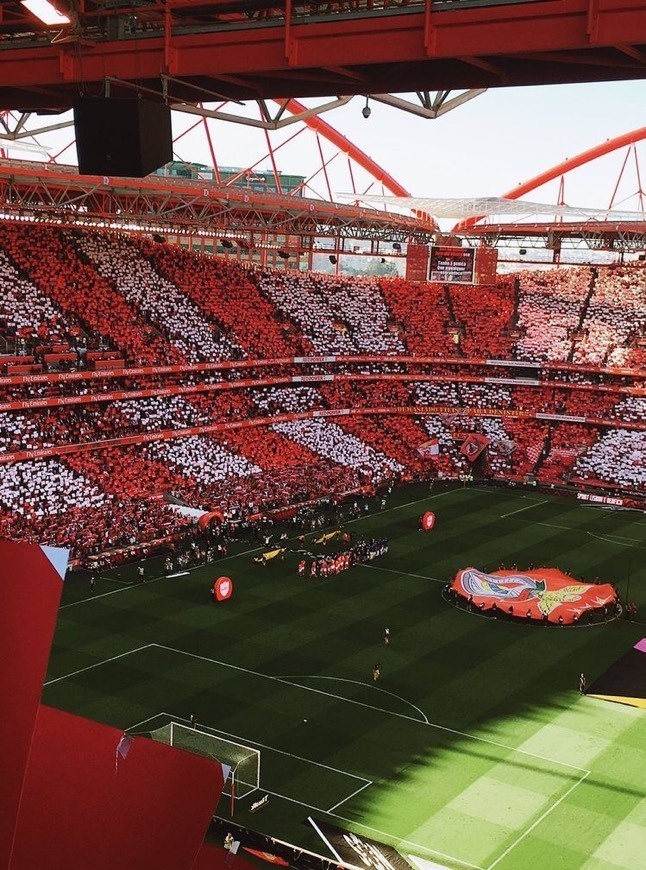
(47, 501)
(616, 457)
(422, 311)
(150, 303)
(162, 302)
(549, 310)
(332, 442)
(486, 318)
(27, 313)
(336, 315)
(231, 297)
(616, 317)
(56, 268)
(201, 457)
(567, 443)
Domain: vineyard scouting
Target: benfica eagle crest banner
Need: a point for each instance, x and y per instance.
(543, 593)
(473, 445)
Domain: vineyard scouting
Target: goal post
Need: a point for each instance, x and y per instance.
(243, 761)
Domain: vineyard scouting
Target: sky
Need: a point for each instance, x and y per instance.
(483, 148)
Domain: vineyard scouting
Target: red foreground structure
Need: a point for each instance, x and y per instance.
(76, 793)
(309, 49)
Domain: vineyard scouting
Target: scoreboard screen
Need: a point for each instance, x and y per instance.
(451, 265)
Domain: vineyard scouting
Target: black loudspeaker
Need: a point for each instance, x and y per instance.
(121, 137)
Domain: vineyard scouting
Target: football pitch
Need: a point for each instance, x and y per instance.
(473, 750)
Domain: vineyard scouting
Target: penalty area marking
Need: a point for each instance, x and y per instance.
(331, 812)
(286, 682)
(207, 729)
(372, 707)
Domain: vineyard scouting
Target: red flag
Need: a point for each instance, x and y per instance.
(473, 446)
(267, 856)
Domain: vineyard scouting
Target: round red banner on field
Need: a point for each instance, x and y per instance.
(428, 521)
(223, 587)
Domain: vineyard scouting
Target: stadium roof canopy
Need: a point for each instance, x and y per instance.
(487, 206)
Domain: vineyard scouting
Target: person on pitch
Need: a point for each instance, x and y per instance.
(386, 636)
(301, 567)
(582, 684)
(376, 672)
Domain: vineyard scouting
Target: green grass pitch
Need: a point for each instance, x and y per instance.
(475, 748)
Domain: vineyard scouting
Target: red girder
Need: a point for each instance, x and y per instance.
(394, 49)
(560, 169)
(47, 187)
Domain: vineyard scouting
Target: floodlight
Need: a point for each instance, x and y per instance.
(45, 11)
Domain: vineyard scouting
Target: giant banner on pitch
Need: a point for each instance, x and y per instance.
(543, 593)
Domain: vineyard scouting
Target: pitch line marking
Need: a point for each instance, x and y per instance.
(371, 707)
(114, 580)
(526, 508)
(144, 721)
(403, 573)
(538, 821)
(349, 797)
(356, 683)
(98, 664)
(618, 539)
(408, 842)
(256, 549)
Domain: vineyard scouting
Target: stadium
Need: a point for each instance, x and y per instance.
(322, 474)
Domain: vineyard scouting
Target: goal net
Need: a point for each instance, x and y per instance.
(244, 761)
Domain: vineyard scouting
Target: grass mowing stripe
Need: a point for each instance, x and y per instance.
(538, 821)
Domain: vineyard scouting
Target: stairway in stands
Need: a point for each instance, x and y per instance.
(453, 323)
(545, 452)
(584, 311)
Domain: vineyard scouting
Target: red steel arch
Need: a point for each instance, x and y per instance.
(560, 169)
(318, 125)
